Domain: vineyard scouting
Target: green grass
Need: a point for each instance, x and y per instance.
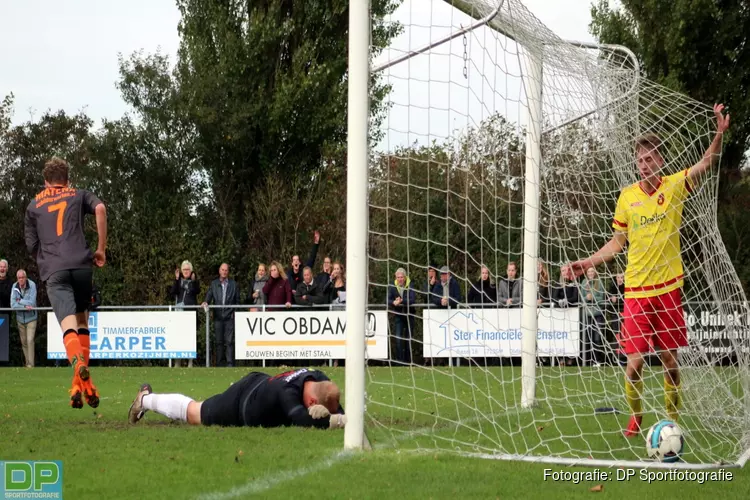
(409, 409)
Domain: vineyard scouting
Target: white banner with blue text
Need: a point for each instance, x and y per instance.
(452, 333)
(132, 335)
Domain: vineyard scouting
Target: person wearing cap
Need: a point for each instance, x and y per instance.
(447, 292)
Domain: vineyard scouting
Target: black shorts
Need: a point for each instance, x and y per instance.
(69, 291)
(225, 409)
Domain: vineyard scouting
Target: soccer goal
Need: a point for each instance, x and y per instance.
(503, 148)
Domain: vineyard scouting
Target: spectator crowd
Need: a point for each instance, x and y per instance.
(601, 305)
(274, 287)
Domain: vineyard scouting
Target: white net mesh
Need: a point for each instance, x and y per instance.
(447, 189)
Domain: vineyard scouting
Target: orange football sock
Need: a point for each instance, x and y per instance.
(73, 348)
(85, 341)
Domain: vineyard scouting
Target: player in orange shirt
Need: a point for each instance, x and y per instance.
(54, 236)
(648, 218)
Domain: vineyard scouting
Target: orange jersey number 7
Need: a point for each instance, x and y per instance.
(60, 209)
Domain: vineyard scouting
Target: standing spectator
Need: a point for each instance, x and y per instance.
(447, 292)
(401, 300)
(565, 294)
(336, 287)
(256, 296)
(5, 284)
(484, 291)
(308, 293)
(593, 298)
(615, 306)
(510, 288)
(23, 298)
(186, 288)
(432, 280)
(184, 292)
(544, 297)
(223, 291)
(324, 276)
(278, 291)
(294, 273)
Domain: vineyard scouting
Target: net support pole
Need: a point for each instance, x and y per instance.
(533, 87)
(356, 223)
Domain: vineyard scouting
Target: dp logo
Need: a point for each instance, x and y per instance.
(27, 479)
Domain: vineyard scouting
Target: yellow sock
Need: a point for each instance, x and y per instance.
(633, 392)
(672, 399)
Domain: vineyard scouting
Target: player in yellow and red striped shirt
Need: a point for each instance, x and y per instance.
(648, 218)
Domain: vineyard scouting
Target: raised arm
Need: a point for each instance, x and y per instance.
(605, 254)
(313, 251)
(712, 153)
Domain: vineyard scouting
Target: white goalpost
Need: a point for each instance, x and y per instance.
(501, 146)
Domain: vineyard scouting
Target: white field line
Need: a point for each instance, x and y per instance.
(273, 480)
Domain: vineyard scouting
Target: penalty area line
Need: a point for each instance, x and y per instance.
(273, 480)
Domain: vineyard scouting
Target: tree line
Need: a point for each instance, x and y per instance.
(236, 151)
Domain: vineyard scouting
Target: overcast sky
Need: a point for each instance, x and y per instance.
(62, 54)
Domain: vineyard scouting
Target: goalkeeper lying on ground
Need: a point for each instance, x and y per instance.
(305, 398)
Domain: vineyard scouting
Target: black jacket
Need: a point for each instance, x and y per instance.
(565, 295)
(331, 292)
(313, 294)
(618, 292)
(483, 292)
(96, 298)
(185, 292)
(296, 278)
(6, 285)
(545, 294)
(215, 294)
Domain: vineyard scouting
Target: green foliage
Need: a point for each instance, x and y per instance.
(698, 47)
(260, 90)
(235, 152)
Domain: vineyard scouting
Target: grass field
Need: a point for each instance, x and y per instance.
(104, 457)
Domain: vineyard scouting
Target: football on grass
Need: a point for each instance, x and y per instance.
(665, 442)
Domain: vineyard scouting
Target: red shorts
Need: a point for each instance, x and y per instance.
(656, 322)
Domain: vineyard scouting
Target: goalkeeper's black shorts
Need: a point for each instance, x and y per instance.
(225, 409)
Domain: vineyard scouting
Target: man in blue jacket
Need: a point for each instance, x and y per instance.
(401, 299)
(23, 298)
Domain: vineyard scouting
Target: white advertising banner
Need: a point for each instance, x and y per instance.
(132, 335)
(497, 332)
(304, 335)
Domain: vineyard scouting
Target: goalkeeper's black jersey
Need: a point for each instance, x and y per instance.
(277, 401)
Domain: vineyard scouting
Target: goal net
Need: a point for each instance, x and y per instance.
(503, 150)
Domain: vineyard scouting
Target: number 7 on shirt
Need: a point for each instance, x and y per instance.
(60, 209)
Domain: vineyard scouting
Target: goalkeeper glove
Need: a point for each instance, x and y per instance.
(338, 421)
(318, 411)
